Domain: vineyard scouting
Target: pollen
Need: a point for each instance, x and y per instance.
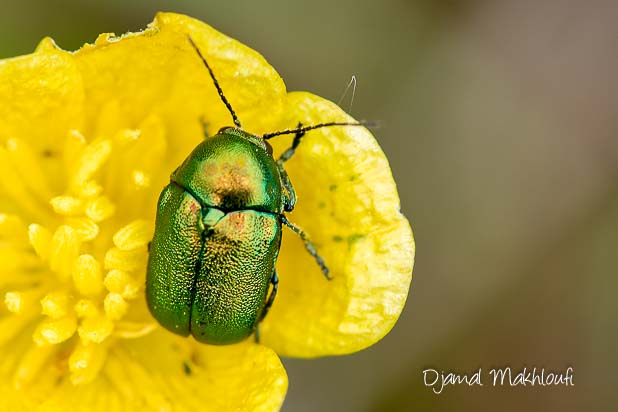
(13, 301)
(140, 178)
(79, 266)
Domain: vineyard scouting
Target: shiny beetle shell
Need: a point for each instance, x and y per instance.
(216, 241)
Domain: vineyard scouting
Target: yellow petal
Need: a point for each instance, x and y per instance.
(244, 377)
(175, 374)
(41, 98)
(12, 227)
(348, 205)
(28, 166)
(31, 364)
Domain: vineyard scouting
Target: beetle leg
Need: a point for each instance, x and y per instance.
(285, 156)
(289, 195)
(308, 245)
(274, 280)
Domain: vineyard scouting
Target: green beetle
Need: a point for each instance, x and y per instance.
(218, 232)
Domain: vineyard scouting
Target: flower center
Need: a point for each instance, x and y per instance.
(73, 273)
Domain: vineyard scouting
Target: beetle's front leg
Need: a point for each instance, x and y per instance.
(285, 156)
(289, 193)
(308, 245)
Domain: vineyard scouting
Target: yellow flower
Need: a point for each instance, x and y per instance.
(87, 141)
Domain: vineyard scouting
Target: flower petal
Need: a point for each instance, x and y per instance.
(41, 98)
(175, 374)
(348, 205)
(160, 72)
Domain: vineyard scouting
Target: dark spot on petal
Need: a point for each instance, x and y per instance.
(354, 238)
(48, 153)
(186, 368)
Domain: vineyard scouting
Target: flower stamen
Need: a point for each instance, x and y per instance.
(76, 273)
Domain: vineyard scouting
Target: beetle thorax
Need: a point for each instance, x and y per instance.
(233, 181)
(231, 172)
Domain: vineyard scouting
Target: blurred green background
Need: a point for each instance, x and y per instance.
(500, 122)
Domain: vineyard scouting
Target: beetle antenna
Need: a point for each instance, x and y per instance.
(214, 79)
(304, 129)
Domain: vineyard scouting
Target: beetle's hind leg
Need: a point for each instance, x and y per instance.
(309, 246)
(274, 280)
